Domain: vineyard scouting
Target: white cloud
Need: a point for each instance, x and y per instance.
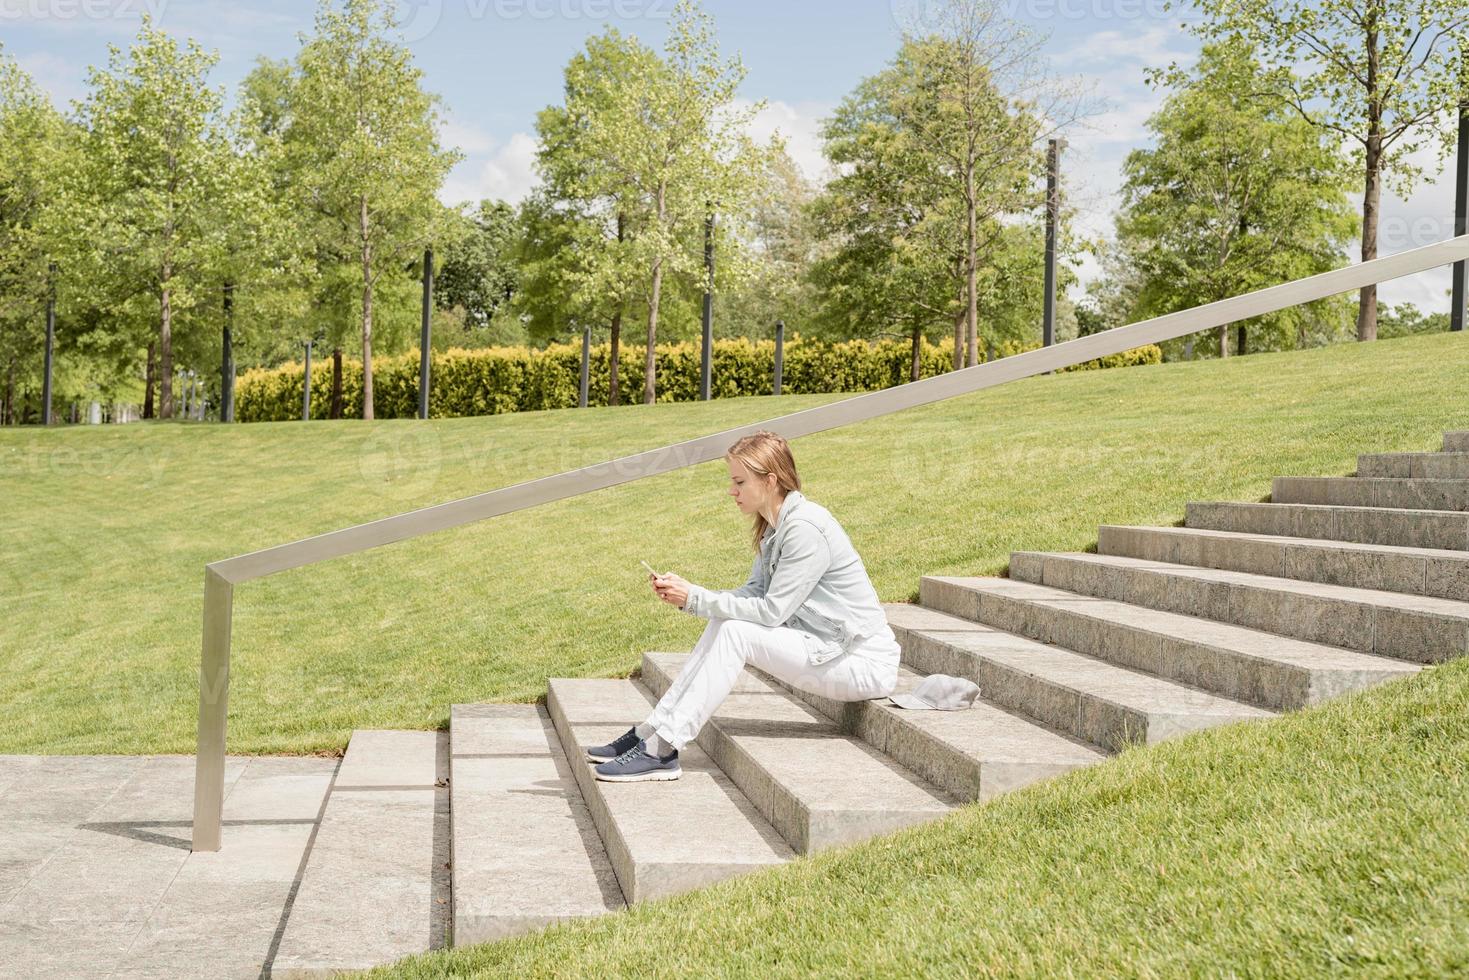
(503, 171)
(61, 78)
(800, 124)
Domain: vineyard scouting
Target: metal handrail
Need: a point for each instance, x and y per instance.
(221, 577)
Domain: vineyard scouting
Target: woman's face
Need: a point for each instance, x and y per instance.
(751, 492)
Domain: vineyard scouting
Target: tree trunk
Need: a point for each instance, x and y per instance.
(614, 396)
(650, 357)
(165, 349)
(916, 364)
(1372, 198)
(149, 376)
(1239, 342)
(336, 410)
(7, 416)
(959, 338)
(971, 245)
(366, 315)
(1224, 340)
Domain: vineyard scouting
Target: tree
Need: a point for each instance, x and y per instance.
(975, 101)
(648, 146)
(32, 136)
(363, 142)
(783, 246)
(1235, 195)
(155, 164)
(478, 274)
(895, 229)
(1378, 73)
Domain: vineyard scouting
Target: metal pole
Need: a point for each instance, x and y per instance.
(214, 689)
(1457, 307)
(1053, 208)
(227, 362)
(50, 342)
(705, 369)
(306, 388)
(780, 349)
(586, 364)
(423, 343)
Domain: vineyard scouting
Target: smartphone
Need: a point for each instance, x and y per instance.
(650, 568)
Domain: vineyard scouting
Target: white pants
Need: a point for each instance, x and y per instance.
(868, 670)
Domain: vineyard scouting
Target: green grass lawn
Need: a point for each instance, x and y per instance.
(104, 532)
(1330, 841)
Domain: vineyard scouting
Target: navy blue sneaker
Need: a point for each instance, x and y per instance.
(619, 745)
(636, 765)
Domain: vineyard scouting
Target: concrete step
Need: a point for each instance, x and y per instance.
(526, 853)
(1083, 696)
(662, 837)
(1354, 491)
(975, 754)
(1423, 629)
(376, 882)
(819, 787)
(1416, 466)
(1444, 529)
(1239, 663)
(1456, 442)
(1419, 571)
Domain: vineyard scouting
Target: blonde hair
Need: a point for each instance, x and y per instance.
(764, 453)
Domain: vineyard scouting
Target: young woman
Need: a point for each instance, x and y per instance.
(808, 615)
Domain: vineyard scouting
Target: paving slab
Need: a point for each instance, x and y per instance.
(376, 886)
(1438, 572)
(1456, 442)
(1354, 491)
(1238, 662)
(1420, 466)
(1406, 527)
(1083, 696)
(663, 837)
(525, 848)
(1422, 629)
(974, 754)
(112, 890)
(818, 786)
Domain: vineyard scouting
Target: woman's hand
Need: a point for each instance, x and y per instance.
(671, 589)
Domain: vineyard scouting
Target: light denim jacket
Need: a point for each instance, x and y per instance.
(808, 577)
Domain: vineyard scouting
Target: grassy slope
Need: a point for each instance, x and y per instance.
(1324, 842)
(104, 532)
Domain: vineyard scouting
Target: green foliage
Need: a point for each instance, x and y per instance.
(32, 136)
(503, 379)
(477, 273)
(645, 147)
(1235, 195)
(363, 150)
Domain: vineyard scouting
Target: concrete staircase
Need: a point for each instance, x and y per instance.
(1247, 610)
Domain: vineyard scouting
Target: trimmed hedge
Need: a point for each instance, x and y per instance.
(494, 380)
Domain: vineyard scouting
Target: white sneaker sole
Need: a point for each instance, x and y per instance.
(655, 774)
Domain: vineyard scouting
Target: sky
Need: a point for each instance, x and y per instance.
(496, 63)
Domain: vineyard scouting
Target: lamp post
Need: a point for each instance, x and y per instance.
(425, 338)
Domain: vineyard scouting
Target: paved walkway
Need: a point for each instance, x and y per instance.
(97, 880)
